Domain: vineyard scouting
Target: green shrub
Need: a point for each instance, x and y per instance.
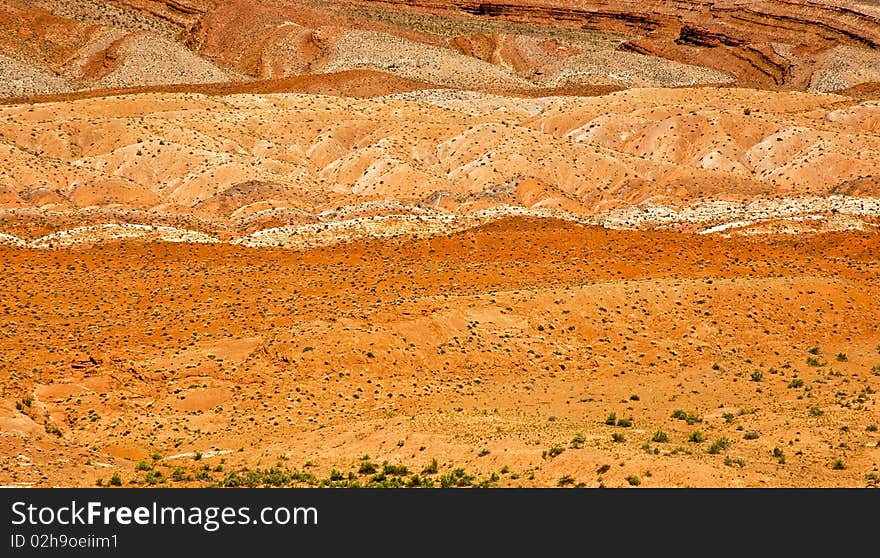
(697, 437)
(633, 480)
(660, 437)
(431, 468)
(779, 454)
(457, 478)
(204, 475)
(554, 451)
(154, 476)
(394, 470)
(719, 445)
(690, 418)
(115, 480)
(618, 437)
(565, 481)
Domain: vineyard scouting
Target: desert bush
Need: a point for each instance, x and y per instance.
(660, 437)
(719, 445)
(431, 468)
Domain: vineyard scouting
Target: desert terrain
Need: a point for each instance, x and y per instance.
(439, 244)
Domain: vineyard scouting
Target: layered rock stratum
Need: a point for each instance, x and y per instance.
(240, 164)
(529, 47)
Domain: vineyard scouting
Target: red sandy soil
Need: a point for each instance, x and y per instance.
(501, 350)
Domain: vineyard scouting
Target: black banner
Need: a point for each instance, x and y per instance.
(141, 522)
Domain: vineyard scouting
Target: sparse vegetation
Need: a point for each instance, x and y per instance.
(553, 452)
(779, 455)
(515, 333)
(430, 469)
(565, 480)
(689, 418)
(718, 445)
(660, 437)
